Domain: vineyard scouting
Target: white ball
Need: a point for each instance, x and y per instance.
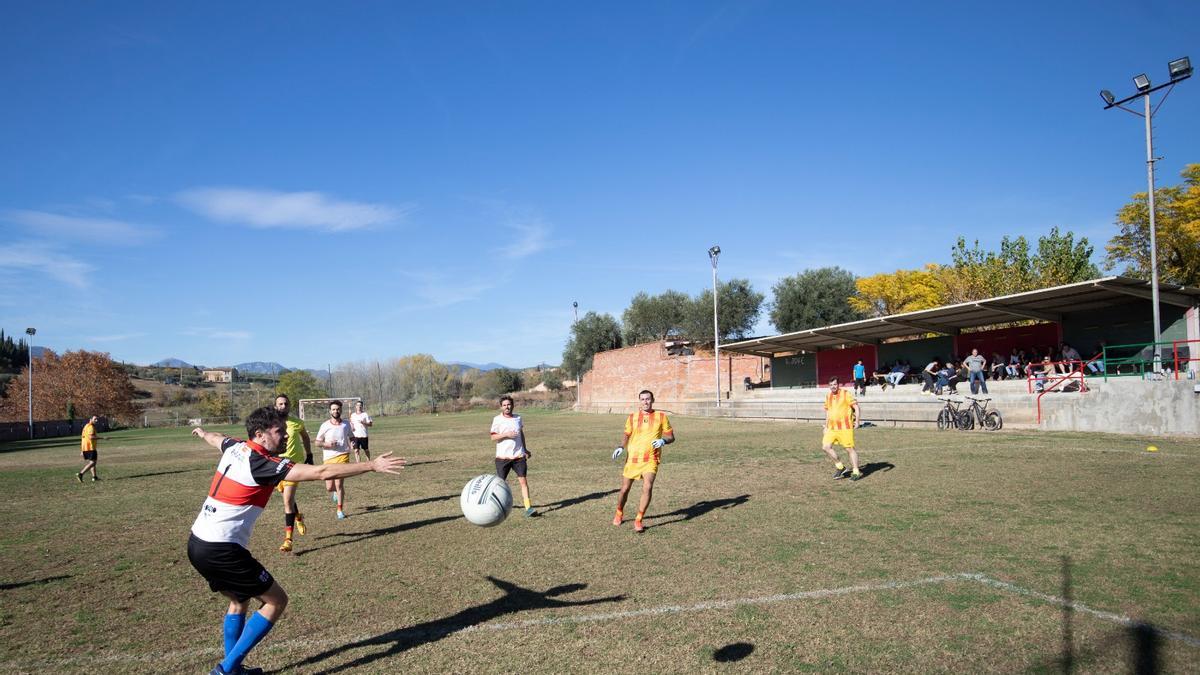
(486, 500)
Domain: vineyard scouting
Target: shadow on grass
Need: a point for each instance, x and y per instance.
(38, 443)
(32, 582)
(425, 461)
(355, 537)
(875, 467)
(562, 504)
(515, 599)
(403, 505)
(733, 652)
(698, 509)
(158, 473)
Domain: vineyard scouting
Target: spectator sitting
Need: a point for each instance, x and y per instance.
(897, 375)
(1014, 364)
(1072, 357)
(1096, 364)
(1040, 371)
(997, 368)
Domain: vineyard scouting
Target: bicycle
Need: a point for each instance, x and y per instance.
(949, 416)
(988, 419)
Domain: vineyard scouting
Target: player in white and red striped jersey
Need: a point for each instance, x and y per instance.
(245, 478)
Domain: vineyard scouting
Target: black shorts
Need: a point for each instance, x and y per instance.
(503, 466)
(229, 567)
(358, 443)
(89, 455)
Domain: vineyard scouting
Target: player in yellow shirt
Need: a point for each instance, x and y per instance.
(87, 448)
(299, 449)
(646, 432)
(841, 416)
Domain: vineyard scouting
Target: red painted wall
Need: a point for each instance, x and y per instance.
(840, 363)
(1003, 340)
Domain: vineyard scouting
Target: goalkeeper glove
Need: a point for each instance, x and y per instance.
(618, 452)
(657, 443)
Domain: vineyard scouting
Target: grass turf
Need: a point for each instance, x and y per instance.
(95, 578)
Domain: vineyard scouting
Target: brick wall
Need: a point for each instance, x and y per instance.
(618, 375)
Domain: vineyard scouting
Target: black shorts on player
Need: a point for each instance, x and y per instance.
(504, 465)
(359, 443)
(89, 455)
(229, 568)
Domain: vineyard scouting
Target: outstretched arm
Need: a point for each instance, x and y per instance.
(211, 437)
(384, 463)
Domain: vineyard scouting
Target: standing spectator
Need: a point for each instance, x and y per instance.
(860, 378)
(87, 448)
(975, 364)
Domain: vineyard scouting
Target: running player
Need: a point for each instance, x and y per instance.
(841, 416)
(359, 421)
(87, 448)
(646, 432)
(299, 449)
(334, 437)
(508, 432)
(242, 485)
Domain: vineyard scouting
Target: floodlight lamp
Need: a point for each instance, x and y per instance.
(1107, 96)
(1141, 82)
(30, 331)
(1180, 68)
(714, 251)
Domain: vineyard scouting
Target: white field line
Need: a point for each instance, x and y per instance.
(310, 644)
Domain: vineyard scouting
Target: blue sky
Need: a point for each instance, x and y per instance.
(312, 183)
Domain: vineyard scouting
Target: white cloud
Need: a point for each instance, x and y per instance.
(532, 237)
(294, 210)
(92, 230)
(45, 260)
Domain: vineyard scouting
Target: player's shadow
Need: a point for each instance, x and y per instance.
(403, 505)
(733, 652)
(875, 467)
(696, 510)
(159, 473)
(355, 537)
(564, 503)
(515, 599)
(424, 461)
(32, 582)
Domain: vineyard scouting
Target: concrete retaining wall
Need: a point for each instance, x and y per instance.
(1128, 406)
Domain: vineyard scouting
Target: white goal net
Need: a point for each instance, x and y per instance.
(318, 408)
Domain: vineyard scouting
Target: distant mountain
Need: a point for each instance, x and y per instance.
(463, 365)
(172, 363)
(37, 352)
(261, 368)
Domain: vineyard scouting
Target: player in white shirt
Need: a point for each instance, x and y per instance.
(359, 421)
(509, 434)
(334, 438)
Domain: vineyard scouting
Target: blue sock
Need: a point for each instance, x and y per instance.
(233, 630)
(256, 629)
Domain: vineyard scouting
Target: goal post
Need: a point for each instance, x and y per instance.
(318, 408)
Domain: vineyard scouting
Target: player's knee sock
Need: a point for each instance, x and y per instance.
(256, 629)
(289, 522)
(233, 630)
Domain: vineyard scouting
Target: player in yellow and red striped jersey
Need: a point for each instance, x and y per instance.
(646, 432)
(841, 416)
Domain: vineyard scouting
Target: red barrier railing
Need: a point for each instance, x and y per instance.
(1051, 382)
(1073, 367)
(1187, 359)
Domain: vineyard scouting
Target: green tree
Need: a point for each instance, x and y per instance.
(298, 384)
(1062, 260)
(653, 317)
(813, 298)
(216, 403)
(552, 378)
(500, 381)
(1176, 228)
(737, 312)
(592, 334)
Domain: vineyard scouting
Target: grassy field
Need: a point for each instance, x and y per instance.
(953, 554)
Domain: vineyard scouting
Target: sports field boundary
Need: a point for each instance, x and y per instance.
(711, 605)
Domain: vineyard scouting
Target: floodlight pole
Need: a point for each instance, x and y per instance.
(30, 332)
(713, 253)
(1180, 70)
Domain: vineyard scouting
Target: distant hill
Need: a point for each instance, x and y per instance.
(262, 368)
(172, 363)
(463, 365)
(37, 352)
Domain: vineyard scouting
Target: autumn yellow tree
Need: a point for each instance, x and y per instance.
(83, 383)
(899, 291)
(1177, 233)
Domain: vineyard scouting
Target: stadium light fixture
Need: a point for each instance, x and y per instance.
(1180, 69)
(713, 253)
(30, 332)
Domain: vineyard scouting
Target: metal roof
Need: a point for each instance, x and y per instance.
(1047, 304)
